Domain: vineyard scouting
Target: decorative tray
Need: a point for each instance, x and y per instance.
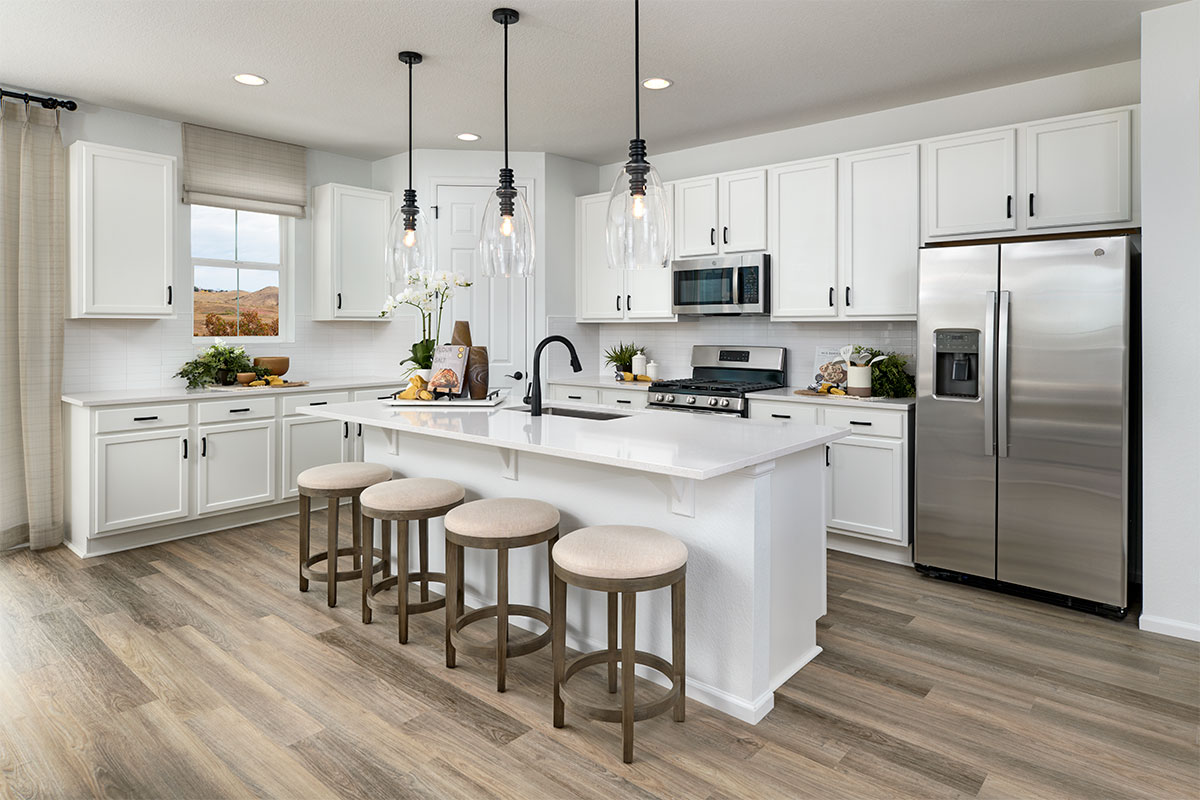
(491, 401)
(240, 387)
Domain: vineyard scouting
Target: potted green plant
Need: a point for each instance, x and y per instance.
(888, 375)
(219, 363)
(620, 356)
(428, 293)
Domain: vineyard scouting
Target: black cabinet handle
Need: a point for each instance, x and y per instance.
(345, 430)
(1008, 207)
(185, 449)
(629, 302)
(1031, 204)
(170, 295)
(847, 295)
(574, 397)
(827, 455)
(320, 403)
(359, 434)
(618, 302)
(831, 291)
(855, 422)
(145, 419)
(712, 236)
(625, 402)
(238, 410)
(725, 235)
(782, 416)
(339, 299)
(203, 446)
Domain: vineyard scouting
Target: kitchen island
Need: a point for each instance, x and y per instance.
(746, 497)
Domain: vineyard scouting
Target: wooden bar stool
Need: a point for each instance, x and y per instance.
(624, 559)
(402, 501)
(335, 481)
(498, 524)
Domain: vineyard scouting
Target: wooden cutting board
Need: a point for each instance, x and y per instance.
(241, 387)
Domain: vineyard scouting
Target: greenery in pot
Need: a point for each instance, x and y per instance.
(620, 356)
(428, 293)
(219, 363)
(888, 375)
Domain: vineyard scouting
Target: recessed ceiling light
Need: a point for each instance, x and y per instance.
(656, 83)
(249, 79)
(468, 137)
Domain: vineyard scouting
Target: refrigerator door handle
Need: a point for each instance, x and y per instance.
(985, 374)
(1002, 378)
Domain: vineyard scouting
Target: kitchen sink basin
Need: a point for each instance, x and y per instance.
(578, 413)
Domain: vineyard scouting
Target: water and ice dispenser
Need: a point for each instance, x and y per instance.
(956, 363)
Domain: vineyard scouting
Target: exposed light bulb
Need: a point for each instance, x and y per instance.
(410, 238)
(506, 226)
(639, 206)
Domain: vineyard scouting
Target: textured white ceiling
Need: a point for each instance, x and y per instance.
(740, 66)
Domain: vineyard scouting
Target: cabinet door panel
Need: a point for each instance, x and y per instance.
(803, 215)
(879, 220)
(867, 487)
(236, 465)
(743, 212)
(361, 223)
(648, 291)
(601, 290)
(1079, 171)
(309, 442)
(696, 217)
(624, 398)
(970, 184)
(140, 478)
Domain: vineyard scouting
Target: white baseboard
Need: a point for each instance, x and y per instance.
(1170, 627)
(880, 551)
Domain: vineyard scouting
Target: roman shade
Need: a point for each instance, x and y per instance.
(232, 170)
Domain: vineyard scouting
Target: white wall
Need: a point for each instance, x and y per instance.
(116, 354)
(1171, 305)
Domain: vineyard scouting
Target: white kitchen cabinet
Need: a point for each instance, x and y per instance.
(350, 259)
(867, 490)
(122, 207)
(802, 211)
(783, 411)
(576, 394)
(1078, 170)
(624, 398)
(971, 183)
(743, 211)
(310, 442)
(236, 466)
(140, 478)
(697, 217)
(879, 232)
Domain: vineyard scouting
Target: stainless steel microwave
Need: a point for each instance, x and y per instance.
(722, 285)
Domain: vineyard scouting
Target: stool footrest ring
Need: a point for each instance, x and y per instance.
(419, 607)
(322, 576)
(613, 713)
(516, 647)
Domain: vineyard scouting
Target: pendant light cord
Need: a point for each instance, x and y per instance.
(410, 123)
(637, 71)
(506, 95)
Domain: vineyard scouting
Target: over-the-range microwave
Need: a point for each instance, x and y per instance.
(738, 284)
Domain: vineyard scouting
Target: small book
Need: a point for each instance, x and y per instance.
(449, 369)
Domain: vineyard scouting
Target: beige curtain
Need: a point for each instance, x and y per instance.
(33, 236)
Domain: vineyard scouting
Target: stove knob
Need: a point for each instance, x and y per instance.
(658, 398)
(691, 401)
(670, 398)
(724, 404)
(712, 401)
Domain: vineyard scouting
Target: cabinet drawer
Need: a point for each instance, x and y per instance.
(576, 394)
(867, 422)
(623, 398)
(787, 412)
(131, 419)
(295, 401)
(378, 393)
(234, 410)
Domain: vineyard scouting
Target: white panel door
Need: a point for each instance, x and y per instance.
(971, 183)
(360, 228)
(802, 209)
(236, 465)
(696, 215)
(1078, 171)
(866, 487)
(309, 442)
(743, 211)
(648, 291)
(879, 199)
(140, 478)
(497, 308)
(601, 289)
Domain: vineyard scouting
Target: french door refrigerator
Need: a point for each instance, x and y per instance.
(1023, 451)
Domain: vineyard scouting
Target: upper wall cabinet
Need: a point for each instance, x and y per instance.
(122, 209)
(802, 211)
(721, 214)
(1078, 170)
(971, 183)
(350, 230)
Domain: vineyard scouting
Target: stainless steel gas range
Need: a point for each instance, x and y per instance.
(721, 379)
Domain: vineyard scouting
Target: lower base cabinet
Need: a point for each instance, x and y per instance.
(236, 465)
(313, 441)
(141, 478)
(867, 489)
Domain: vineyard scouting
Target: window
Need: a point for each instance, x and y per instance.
(238, 263)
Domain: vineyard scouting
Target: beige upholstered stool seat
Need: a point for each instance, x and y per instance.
(502, 518)
(343, 476)
(619, 552)
(412, 494)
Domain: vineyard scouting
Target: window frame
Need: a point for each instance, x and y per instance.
(286, 267)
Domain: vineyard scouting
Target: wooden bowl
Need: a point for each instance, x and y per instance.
(277, 364)
(245, 377)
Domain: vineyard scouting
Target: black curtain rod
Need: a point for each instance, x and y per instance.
(44, 102)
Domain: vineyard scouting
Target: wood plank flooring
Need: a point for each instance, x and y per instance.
(195, 669)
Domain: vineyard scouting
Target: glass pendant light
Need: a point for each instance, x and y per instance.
(506, 236)
(407, 237)
(638, 226)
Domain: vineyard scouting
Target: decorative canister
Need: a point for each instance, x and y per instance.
(652, 370)
(858, 381)
(477, 373)
(639, 364)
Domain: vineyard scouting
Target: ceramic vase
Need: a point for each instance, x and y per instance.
(477, 373)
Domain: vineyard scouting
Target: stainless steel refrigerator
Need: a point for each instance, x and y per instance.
(1026, 371)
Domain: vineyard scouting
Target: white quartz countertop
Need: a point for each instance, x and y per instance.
(177, 393)
(787, 393)
(662, 442)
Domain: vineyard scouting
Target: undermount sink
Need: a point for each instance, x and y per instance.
(579, 413)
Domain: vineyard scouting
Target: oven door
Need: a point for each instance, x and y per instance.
(719, 286)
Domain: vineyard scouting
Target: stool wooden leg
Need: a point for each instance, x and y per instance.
(402, 578)
(305, 511)
(678, 643)
(385, 544)
(452, 554)
(423, 555)
(368, 549)
(501, 618)
(558, 638)
(628, 616)
(612, 642)
(356, 530)
(461, 581)
(331, 559)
